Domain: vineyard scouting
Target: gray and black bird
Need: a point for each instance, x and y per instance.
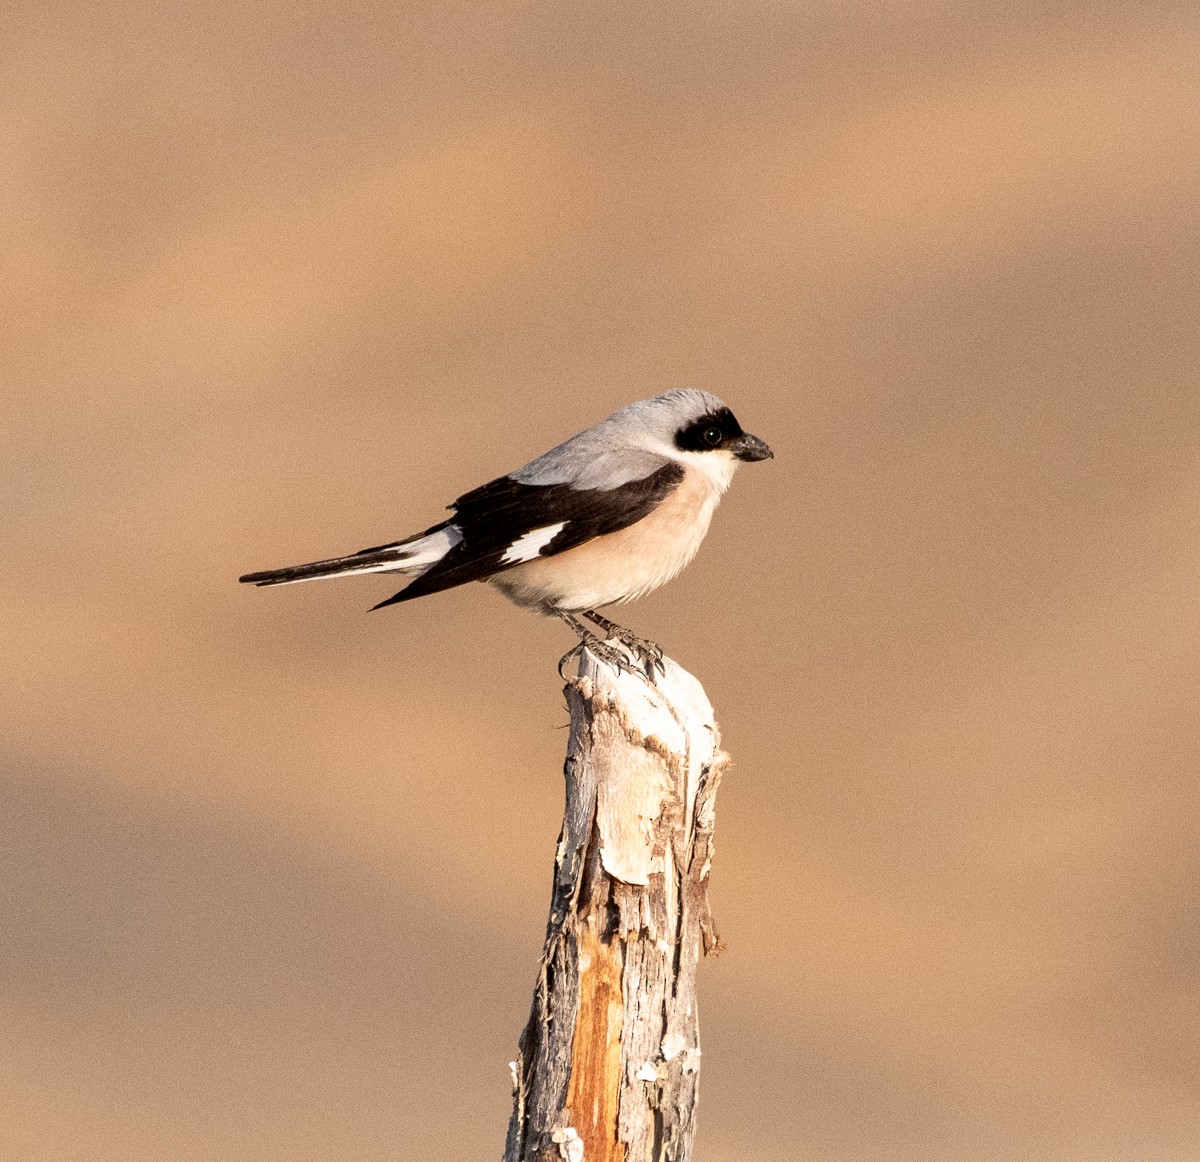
(607, 516)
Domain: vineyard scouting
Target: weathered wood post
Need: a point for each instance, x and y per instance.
(608, 1065)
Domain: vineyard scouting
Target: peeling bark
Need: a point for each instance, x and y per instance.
(608, 1064)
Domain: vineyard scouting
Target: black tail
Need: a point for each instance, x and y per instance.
(367, 561)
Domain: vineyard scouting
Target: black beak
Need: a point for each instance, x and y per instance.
(748, 447)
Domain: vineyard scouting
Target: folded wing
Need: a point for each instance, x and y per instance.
(507, 521)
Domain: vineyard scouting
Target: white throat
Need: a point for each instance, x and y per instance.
(717, 467)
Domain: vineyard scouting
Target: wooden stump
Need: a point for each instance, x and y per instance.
(608, 1065)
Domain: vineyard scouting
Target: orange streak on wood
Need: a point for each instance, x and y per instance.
(593, 1094)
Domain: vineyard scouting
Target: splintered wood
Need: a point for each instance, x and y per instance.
(608, 1065)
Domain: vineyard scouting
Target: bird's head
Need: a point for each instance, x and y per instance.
(695, 428)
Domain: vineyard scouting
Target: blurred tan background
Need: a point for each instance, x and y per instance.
(281, 280)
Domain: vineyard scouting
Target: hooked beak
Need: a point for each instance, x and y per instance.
(748, 447)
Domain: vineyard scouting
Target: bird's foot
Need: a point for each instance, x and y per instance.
(602, 651)
(610, 655)
(648, 652)
(598, 647)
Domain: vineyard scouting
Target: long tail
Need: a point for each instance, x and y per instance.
(413, 556)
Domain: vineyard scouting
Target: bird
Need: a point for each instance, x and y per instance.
(606, 517)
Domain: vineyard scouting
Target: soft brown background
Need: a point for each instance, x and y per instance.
(280, 280)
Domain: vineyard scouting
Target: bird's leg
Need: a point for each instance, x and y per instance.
(649, 651)
(588, 640)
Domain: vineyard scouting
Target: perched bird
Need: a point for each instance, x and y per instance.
(610, 515)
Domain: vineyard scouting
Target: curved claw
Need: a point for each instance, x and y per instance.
(572, 653)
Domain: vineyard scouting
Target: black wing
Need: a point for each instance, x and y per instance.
(496, 516)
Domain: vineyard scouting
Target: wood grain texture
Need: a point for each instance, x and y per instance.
(608, 1064)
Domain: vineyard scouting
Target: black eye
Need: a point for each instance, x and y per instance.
(712, 436)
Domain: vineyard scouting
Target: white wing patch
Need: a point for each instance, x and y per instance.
(531, 544)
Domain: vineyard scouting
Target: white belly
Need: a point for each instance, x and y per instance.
(622, 565)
